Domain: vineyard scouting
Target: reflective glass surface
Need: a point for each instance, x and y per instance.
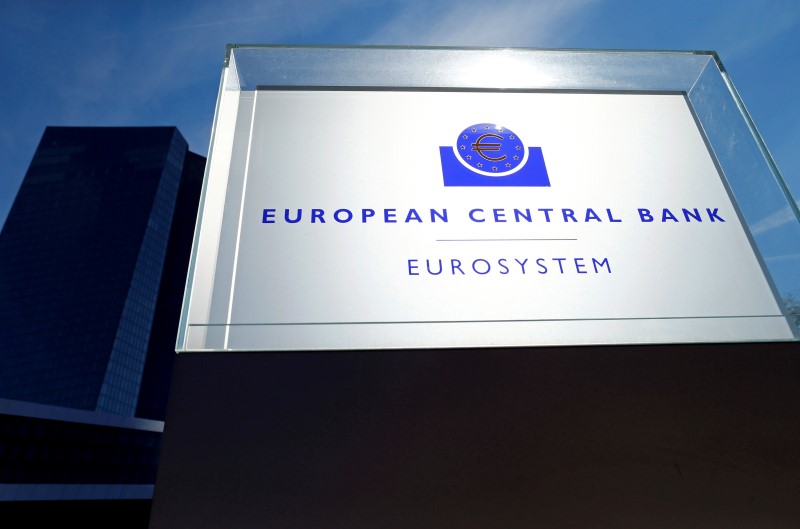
(81, 264)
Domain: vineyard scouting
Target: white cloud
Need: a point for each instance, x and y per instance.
(775, 220)
(744, 27)
(225, 22)
(543, 23)
(786, 257)
(783, 147)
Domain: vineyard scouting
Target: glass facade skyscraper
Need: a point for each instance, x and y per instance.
(81, 260)
(93, 259)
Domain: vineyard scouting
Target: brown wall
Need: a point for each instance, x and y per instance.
(575, 437)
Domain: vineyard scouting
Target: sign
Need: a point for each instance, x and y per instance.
(383, 219)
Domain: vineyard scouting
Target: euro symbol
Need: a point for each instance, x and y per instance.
(489, 147)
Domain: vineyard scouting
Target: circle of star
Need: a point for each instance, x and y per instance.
(490, 148)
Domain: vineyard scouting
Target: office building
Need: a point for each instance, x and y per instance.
(93, 259)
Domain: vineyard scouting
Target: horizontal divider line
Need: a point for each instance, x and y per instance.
(481, 321)
(499, 240)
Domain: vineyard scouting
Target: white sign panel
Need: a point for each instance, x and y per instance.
(380, 219)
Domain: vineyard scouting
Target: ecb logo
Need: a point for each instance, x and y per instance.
(491, 155)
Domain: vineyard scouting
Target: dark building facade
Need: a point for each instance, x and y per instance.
(93, 259)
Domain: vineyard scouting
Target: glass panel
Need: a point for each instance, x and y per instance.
(758, 188)
(469, 69)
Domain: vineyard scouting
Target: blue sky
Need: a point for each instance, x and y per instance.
(158, 63)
